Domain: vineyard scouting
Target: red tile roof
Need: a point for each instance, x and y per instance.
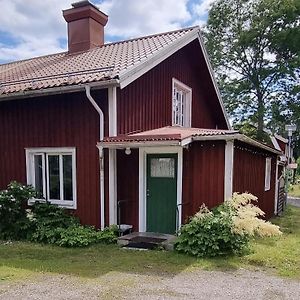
(98, 64)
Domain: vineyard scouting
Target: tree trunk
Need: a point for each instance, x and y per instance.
(260, 118)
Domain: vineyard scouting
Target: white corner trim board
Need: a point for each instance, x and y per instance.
(112, 153)
(143, 151)
(228, 172)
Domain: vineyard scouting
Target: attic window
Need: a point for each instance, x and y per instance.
(181, 104)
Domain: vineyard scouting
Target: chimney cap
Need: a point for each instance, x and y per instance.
(84, 3)
(85, 9)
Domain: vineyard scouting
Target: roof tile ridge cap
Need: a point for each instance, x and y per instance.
(149, 36)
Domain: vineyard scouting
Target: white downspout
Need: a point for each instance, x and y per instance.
(101, 156)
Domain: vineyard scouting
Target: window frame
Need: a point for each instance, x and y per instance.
(30, 172)
(187, 105)
(268, 168)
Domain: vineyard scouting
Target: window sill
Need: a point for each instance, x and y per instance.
(63, 204)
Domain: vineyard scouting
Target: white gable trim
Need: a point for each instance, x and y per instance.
(275, 143)
(136, 71)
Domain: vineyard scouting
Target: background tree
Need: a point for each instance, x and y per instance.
(254, 48)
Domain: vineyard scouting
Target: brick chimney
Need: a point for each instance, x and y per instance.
(85, 26)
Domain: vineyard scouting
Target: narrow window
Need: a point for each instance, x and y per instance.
(268, 174)
(181, 104)
(51, 171)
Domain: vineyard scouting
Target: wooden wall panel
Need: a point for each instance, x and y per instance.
(249, 175)
(128, 187)
(147, 102)
(203, 176)
(55, 121)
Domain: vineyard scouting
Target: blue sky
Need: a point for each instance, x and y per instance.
(36, 27)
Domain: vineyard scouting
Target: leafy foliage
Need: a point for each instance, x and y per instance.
(254, 47)
(44, 222)
(80, 236)
(14, 222)
(54, 226)
(225, 230)
(210, 234)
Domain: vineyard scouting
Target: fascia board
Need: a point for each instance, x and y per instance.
(281, 138)
(248, 140)
(59, 90)
(123, 145)
(128, 76)
(239, 137)
(275, 143)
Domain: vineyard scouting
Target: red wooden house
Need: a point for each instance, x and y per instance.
(136, 126)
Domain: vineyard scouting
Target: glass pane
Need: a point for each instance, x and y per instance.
(54, 187)
(179, 107)
(38, 173)
(163, 167)
(67, 172)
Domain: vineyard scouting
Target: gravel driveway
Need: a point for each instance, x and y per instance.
(196, 284)
(293, 201)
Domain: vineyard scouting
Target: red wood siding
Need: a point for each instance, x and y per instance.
(249, 175)
(282, 145)
(55, 121)
(147, 102)
(203, 176)
(128, 186)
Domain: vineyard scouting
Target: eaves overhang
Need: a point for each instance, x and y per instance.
(60, 90)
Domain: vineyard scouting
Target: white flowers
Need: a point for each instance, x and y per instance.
(246, 217)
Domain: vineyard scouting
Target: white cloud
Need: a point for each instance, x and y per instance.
(202, 8)
(131, 18)
(37, 27)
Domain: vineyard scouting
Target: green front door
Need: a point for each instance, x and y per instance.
(161, 193)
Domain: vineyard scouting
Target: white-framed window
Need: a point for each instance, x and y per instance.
(52, 172)
(181, 104)
(268, 174)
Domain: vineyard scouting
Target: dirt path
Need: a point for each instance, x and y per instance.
(241, 284)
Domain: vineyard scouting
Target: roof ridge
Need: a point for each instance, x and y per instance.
(150, 35)
(108, 44)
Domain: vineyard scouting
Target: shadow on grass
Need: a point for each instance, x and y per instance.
(93, 261)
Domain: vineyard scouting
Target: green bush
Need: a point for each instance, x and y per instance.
(47, 220)
(14, 221)
(210, 234)
(226, 229)
(80, 236)
(44, 222)
(53, 225)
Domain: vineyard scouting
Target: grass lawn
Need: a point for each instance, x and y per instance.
(294, 190)
(20, 259)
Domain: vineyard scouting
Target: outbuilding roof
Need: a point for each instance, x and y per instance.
(110, 61)
(178, 136)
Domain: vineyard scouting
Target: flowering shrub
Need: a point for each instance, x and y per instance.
(246, 217)
(14, 223)
(224, 230)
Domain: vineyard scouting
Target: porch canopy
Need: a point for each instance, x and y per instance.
(177, 136)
